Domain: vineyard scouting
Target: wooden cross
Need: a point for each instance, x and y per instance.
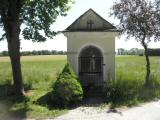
(90, 24)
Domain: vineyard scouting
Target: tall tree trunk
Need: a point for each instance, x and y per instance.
(11, 23)
(147, 83)
(14, 53)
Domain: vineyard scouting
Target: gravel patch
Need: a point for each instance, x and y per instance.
(149, 111)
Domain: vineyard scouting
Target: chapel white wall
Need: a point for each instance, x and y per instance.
(105, 41)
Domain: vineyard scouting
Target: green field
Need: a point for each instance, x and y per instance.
(134, 67)
(40, 72)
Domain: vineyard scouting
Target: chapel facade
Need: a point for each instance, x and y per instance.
(91, 48)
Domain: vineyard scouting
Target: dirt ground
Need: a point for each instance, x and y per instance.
(4, 114)
(148, 111)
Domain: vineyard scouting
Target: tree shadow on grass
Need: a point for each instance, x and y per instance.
(7, 90)
(49, 101)
(46, 100)
(12, 107)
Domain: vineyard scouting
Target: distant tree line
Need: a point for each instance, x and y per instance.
(132, 51)
(154, 52)
(140, 52)
(39, 52)
(121, 51)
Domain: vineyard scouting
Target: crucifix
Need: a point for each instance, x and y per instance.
(90, 24)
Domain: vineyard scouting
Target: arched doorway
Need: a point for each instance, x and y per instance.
(91, 66)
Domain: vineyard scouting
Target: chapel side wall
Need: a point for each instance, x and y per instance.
(71, 54)
(110, 56)
(105, 41)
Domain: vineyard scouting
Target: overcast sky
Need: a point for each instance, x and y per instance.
(102, 7)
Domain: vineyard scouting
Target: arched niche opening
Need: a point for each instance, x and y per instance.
(91, 66)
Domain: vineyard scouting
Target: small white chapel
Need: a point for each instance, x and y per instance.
(91, 48)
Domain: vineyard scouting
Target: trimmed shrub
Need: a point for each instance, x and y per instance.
(67, 88)
(68, 70)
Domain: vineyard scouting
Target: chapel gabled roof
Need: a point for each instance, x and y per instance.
(91, 21)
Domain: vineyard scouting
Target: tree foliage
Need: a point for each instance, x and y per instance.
(139, 19)
(37, 16)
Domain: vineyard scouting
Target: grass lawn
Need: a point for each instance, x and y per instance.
(130, 76)
(39, 74)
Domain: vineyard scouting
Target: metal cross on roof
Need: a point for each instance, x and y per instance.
(90, 24)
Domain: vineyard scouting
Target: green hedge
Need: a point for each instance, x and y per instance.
(130, 92)
(67, 88)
